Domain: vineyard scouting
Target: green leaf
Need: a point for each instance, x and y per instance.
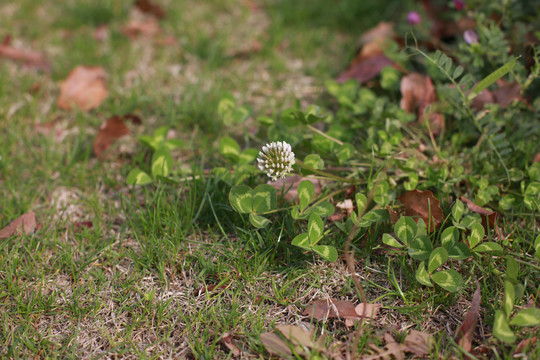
(258, 221)
(491, 78)
(326, 251)
(263, 198)
(527, 317)
(172, 144)
(509, 298)
(138, 177)
(449, 280)
(240, 198)
(345, 152)
(512, 268)
(302, 241)
(323, 209)
(306, 190)
(501, 330)
(229, 148)
(420, 248)
(374, 216)
(361, 203)
(315, 229)
(488, 247)
(422, 276)
(162, 163)
(248, 156)
(149, 141)
(459, 251)
(265, 120)
(437, 257)
(314, 161)
(391, 241)
(477, 234)
(405, 229)
(449, 237)
(160, 134)
(381, 194)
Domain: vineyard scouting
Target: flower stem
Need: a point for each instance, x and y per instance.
(326, 174)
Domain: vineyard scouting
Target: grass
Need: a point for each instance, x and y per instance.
(165, 271)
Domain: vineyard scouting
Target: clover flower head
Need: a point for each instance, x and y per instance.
(413, 18)
(276, 159)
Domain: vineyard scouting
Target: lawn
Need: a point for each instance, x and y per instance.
(134, 222)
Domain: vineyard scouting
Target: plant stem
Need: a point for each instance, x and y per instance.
(322, 133)
(326, 174)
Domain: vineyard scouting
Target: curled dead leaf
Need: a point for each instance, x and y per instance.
(151, 8)
(84, 88)
(23, 225)
(113, 129)
(423, 204)
(488, 216)
(465, 332)
(417, 93)
(227, 340)
(29, 58)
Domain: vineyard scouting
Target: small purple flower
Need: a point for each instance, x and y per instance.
(470, 37)
(459, 4)
(413, 18)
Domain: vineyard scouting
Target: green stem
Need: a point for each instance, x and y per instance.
(322, 133)
(326, 174)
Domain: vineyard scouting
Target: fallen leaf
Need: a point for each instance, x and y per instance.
(418, 92)
(333, 308)
(537, 158)
(524, 345)
(136, 28)
(418, 342)
(210, 288)
(289, 186)
(465, 332)
(275, 345)
(421, 204)
(365, 70)
(101, 33)
(29, 58)
(81, 225)
(227, 340)
(488, 216)
(150, 7)
(297, 336)
(113, 129)
(23, 225)
(370, 60)
(84, 88)
(392, 214)
(364, 311)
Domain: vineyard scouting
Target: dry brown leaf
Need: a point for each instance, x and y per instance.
(210, 288)
(364, 311)
(418, 92)
(488, 216)
(227, 340)
(84, 88)
(29, 58)
(24, 224)
(418, 342)
(331, 308)
(537, 158)
(101, 33)
(465, 332)
(423, 204)
(297, 336)
(151, 8)
(275, 345)
(392, 214)
(366, 69)
(524, 345)
(290, 186)
(113, 129)
(146, 28)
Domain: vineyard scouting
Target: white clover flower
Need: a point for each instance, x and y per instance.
(276, 159)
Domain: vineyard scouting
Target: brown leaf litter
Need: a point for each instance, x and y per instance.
(84, 88)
